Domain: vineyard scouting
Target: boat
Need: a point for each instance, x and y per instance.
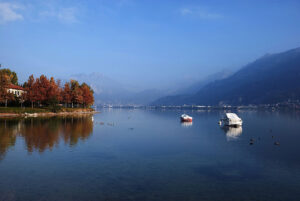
(186, 118)
(232, 119)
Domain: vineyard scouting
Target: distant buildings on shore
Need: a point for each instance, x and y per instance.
(294, 105)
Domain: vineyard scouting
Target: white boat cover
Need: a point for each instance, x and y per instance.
(185, 116)
(232, 116)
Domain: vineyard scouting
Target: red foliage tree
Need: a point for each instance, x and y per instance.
(5, 96)
(42, 86)
(67, 94)
(76, 93)
(31, 93)
(87, 94)
(53, 92)
(48, 92)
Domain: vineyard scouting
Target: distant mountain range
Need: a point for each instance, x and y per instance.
(196, 86)
(106, 90)
(110, 92)
(270, 79)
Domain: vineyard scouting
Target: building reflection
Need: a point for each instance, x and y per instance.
(232, 133)
(41, 134)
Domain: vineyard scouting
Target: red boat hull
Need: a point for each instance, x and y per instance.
(186, 120)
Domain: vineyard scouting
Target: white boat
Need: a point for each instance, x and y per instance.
(231, 119)
(186, 118)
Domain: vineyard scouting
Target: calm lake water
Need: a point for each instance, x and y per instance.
(146, 155)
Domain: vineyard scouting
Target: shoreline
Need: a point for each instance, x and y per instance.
(48, 114)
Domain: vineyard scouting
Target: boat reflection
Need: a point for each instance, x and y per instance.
(186, 124)
(41, 134)
(232, 133)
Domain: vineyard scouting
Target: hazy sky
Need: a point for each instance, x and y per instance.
(145, 43)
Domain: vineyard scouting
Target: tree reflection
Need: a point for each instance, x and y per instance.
(41, 134)
(8, 132)
(75, 129)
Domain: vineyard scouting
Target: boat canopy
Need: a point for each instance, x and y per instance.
(232, 116)
(185, 116)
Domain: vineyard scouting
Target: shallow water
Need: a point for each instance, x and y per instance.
(149, 155)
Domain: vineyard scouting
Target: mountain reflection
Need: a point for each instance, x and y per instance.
(40, 134)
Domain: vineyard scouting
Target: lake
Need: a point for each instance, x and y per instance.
(142, 155)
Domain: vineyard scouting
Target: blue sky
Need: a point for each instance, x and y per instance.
(143, 43)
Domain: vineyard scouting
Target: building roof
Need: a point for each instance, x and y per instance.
(12, 86)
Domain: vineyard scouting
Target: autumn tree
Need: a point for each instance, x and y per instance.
(31, 92)
(53, 92)
(5, 96)
(42, 86)
(67, 94)
(87, 94)
(48, 92)
(13, 78)
(76, 93)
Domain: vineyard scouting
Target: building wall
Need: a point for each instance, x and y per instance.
(16, 92)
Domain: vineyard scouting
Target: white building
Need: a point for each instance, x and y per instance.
(16, 90)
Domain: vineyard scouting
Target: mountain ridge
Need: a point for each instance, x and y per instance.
(269, 79)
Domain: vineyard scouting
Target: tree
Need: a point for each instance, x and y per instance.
(59, 92)
(87, 94)
(42, 88)
(13, 78)
(30, 87)
(48, 92)
(67, 94)
(53, 92)
(5, 96)
(76, 92)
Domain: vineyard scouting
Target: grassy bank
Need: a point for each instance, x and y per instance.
(19, 110)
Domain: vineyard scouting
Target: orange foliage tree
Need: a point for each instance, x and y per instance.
(4, 82)
(66, 94)
(48, 92)
(87, 94)
(30, 94)
(76, 93)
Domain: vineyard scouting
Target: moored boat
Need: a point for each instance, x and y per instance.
(186, 118)
(231, 119)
